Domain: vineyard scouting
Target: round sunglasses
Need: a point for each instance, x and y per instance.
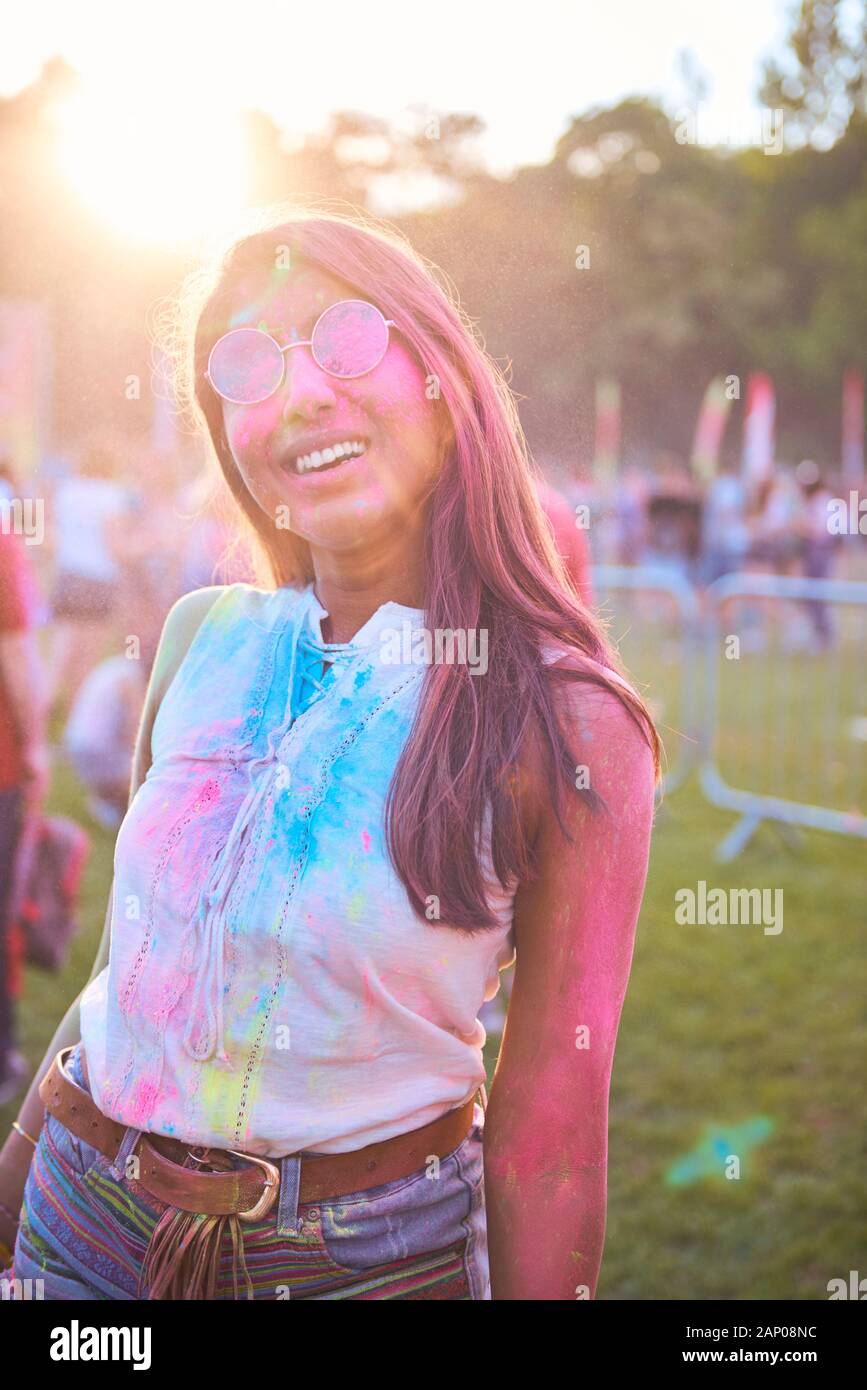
(349, 339)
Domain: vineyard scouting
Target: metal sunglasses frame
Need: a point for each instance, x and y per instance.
(308, 342)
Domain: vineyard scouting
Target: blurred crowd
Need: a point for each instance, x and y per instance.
(700, 531)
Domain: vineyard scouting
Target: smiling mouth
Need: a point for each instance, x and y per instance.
(323, 461)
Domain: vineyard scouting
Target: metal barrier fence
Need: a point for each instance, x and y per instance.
(785, 725)
(653, 620)
(762, 680)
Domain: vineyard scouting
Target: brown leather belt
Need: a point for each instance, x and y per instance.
(164, 1170)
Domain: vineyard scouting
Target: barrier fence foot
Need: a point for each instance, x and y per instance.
(791, 835)
(737, 838)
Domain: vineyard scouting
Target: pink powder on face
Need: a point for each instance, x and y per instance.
(365, 841)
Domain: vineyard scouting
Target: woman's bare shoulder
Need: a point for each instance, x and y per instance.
(612, 753)
(187, 614)
(182, 622)
(597, 695)
(561, 654)
(602, 720)
(193, 606)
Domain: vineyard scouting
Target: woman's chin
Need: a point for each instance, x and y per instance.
(345, 532)
(348, 522)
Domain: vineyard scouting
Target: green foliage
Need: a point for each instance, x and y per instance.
(822, 79)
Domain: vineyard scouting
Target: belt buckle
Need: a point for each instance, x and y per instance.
(269, 1192)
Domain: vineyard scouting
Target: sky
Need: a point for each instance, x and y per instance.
(524, 68)
(153, 142)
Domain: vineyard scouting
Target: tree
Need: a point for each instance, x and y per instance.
(823, 78)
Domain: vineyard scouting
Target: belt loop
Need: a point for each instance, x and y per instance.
(290, 1188)
(127, 1144)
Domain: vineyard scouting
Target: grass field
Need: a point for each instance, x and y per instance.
(723, 1028)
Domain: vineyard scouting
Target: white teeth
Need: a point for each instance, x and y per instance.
(349, 449)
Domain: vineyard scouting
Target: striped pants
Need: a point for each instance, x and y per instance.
(84, 1231)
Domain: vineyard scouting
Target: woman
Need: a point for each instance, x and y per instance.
(370, 782)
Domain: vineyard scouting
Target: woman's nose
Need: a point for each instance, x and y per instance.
(306, 388)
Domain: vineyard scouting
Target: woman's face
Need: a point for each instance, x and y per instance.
(360, 500)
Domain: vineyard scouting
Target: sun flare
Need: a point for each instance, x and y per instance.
(155, 171)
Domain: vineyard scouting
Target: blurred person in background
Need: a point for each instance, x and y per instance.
(99, 737)
(10, 488)
(208, 535)
(91, 523)
(152, 559)
(602, 496)
(674, 512)
(24, 762)
(632, 495)
(819, 545)
(776, 525)
(725, 537)
(775, 521)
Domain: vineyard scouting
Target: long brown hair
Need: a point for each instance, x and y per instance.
(491, 564)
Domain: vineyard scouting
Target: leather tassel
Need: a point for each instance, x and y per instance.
(182, 1260)
(238, 1258)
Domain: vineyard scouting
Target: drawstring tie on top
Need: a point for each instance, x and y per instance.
(204, 1034)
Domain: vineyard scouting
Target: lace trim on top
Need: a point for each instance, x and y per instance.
(204, 1034)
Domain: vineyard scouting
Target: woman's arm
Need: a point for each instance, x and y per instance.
(181, 625)
(546, 1126)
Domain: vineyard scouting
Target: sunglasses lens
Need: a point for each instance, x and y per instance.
(350, 338)
(246, 366)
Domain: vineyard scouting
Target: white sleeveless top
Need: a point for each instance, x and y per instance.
(269, 987)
